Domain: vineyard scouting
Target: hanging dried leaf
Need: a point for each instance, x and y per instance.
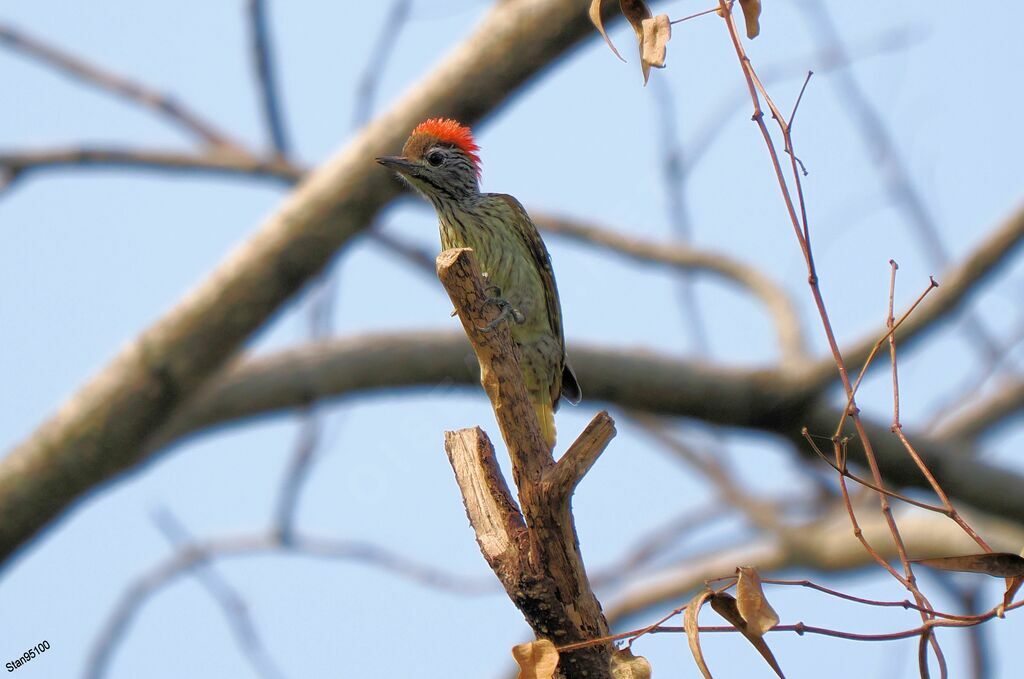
(656, 34)
(635, 12)
(1012, 586)
(998, 564)
(753, 606)
(725, 605)
(595, 18)
(751, 14)
(537, 659)
(652, 34)
(625, 665)
(693, 629)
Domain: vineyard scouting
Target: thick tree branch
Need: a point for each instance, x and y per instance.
(764, 400)
(536, 556)
(347, 367)
(103, 429)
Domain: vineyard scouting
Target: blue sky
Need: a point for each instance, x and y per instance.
(90, 258)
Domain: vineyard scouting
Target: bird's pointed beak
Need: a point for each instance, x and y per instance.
(398, 164)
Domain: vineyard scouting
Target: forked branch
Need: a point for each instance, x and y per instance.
(534, 550)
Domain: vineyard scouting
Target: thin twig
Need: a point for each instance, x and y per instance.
(888, 336)
(840, 466)
(801, 229)
(366, 91)
(674, 176)
(758, 513)
(796, 104)
(698, 14)
(236, 611)
(800, 628)
(897, 179)
(897, 426)
(658, 541)
(197, 554)
(270, 96)
(826, 60)
(81, 70)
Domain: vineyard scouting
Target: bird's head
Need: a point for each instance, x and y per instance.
(439, 160)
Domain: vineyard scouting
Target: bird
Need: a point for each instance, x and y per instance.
(441, 161)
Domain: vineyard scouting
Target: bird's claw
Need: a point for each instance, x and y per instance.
(505, 312)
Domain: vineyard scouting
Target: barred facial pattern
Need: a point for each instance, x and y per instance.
(444, 174)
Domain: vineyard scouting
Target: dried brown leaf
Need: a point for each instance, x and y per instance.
(1012, 587)
(751, 14)
(625, 665)
(656, 34)
(595, 18)
(635, 12)
(693, 629)
(997, 564)
(537, 659)
(725, 605)
(753, 606)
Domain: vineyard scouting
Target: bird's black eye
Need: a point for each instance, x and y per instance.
(435, 158)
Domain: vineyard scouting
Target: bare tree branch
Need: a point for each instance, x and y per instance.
(197, 554)
(270, 96)
(374, 362)
(229, 162)
(387, 38)
(79, 69)
(656, 542)
(235, 610)
(674, 176)
(765, 400)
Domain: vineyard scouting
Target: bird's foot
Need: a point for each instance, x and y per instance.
(505, 311)
(492, 290)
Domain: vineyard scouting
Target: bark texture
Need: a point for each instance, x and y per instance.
(533, 549)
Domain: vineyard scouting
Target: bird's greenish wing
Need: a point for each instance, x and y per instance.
(527, 231)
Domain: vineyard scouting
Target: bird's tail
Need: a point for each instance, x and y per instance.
(546, 418)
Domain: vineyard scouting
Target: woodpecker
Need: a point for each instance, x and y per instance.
(440, 160)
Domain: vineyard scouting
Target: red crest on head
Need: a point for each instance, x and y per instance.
(454, 133)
